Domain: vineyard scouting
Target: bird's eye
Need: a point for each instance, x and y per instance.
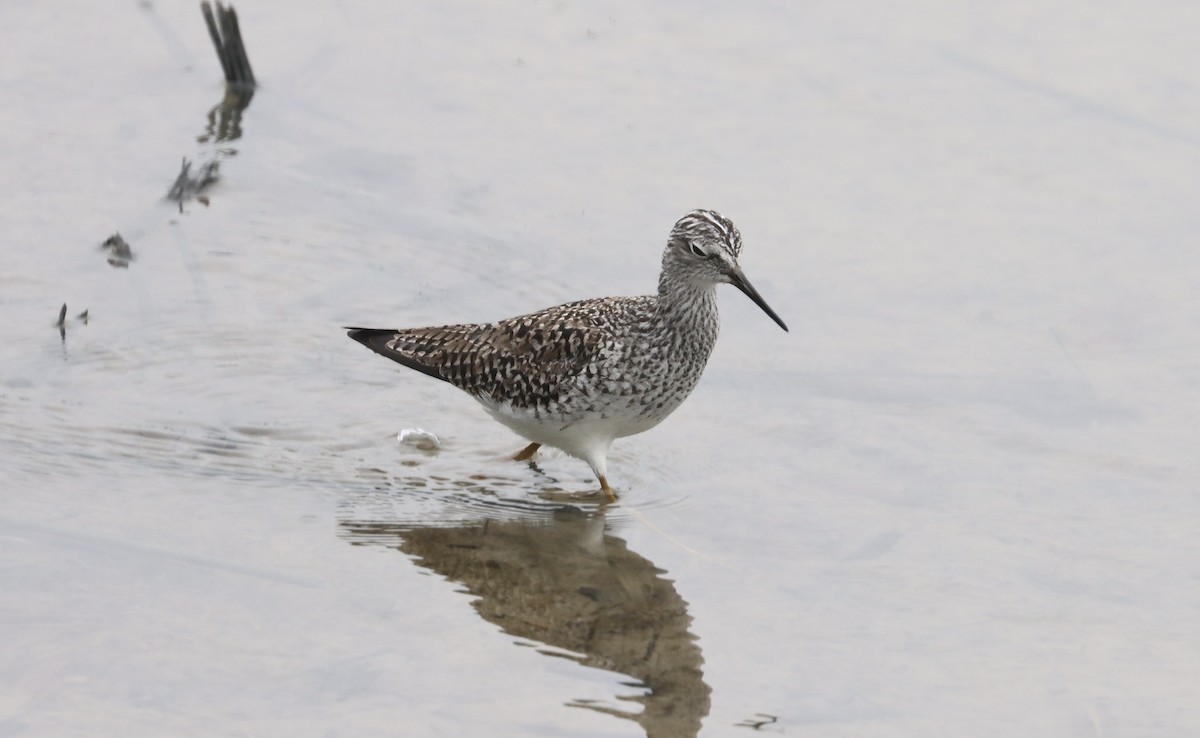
(697, 250)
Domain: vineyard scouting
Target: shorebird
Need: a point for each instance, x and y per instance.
(580, 375)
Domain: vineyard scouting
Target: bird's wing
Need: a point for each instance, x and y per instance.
(512, 360)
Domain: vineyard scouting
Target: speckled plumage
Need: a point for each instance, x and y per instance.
(579, 375)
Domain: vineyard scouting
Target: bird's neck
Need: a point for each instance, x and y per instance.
(684, 306)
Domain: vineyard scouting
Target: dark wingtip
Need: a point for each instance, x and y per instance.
(373, 338)
(377, 340)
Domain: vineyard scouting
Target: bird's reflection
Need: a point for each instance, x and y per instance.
(557, 575)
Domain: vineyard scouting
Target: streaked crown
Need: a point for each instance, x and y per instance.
(708, 225)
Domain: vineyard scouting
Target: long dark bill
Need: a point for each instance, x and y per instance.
(738, 279)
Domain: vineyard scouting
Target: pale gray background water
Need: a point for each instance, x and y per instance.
(959, 498)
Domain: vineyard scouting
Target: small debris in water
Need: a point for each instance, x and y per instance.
(119, 253)
(419, 438)
(187, 186)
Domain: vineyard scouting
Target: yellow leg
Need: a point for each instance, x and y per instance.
(527, 453)
(608, 491)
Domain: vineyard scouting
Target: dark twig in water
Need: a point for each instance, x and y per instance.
(119, 254)
(758, 721)
(226, 36)
(181, 182)
(61, 323)
(187, 186)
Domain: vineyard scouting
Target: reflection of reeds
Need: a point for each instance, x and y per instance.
(226, 36)
(566, 582)
(224, 120)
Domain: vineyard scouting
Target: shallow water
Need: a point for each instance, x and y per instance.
(958, 498)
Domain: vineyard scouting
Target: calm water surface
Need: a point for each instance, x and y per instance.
(957, 499)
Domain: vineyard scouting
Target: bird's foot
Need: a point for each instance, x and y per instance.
(609, 494)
